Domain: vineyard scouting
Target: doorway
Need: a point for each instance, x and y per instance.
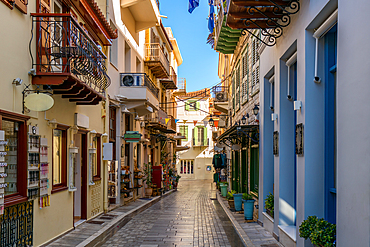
(80, 176)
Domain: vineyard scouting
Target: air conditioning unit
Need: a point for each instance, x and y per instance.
(127, 80)
(221, 97)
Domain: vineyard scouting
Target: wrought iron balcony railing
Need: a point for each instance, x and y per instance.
(138, 80)
(154, 53)
(63, 47)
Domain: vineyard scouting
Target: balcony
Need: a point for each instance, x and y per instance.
(144, 12)
(226, 39)
(156, 61)
(221, 98)
(200, 142)
(67, 59)
(170, 83)
(158, 122)
(181, 87)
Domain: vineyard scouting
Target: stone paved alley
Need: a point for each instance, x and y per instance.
(185, 218)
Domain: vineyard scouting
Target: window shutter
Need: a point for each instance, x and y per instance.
(186, 132)
(205, 136)
(187, 106)
(197, 105)
(195, 136)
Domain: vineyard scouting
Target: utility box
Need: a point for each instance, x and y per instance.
(107, 151)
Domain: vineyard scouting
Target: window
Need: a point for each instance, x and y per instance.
(237, 81)
(255, 67)
(59, 159)
(187, 166)
(245, 77)
(200, 136)
(184, 131)
(192, 105)
(20, 4)
(96, 165)
(15, 134)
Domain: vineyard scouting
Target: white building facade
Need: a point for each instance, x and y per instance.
(196, 162)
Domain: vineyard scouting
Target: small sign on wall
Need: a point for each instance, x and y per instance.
(276, 143)
(299, 139)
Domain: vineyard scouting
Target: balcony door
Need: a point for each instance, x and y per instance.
(56, 38)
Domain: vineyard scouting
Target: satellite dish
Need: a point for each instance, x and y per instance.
(128, 80)
(39, 102)
(236, 147)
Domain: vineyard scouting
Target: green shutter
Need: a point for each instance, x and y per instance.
(195, 136)
(197, 105)
(187, 106)
(186, 132)
(205, 137)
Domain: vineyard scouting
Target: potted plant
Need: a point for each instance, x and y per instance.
(148, 179)
(224, 188)
(238, 201)
(269, 204)
(248, 206)
(319, 231)
(230, 198)
(177, 178)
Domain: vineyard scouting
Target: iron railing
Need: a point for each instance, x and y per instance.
(173, 75)
(138, 80)
(200, 142)
(154, 53)
(181, 84)
(64, 47)
(220, 93)
(16, 225)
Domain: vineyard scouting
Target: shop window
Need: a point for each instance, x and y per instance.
(15, 157)
(59, 159)
(96, 169)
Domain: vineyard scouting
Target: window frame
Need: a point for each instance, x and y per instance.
(63, 185)
(186, 131)
(97, 177)
(22, 165)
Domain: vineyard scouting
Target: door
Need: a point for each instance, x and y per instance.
(80, 195)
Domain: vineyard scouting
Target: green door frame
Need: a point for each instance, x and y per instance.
(244, 169)
(254, 170)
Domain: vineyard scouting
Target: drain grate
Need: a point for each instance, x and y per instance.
(96, 222)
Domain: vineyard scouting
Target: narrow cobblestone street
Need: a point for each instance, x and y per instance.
(187, 217)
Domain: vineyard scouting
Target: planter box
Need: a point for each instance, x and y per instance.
(268, 222)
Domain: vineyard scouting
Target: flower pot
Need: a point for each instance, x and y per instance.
(238, 201)
(223, 190)
(148, 192)
(248, 209)
(231, 203)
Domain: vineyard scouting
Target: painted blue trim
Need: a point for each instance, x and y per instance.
(330, 40)
(333, 190)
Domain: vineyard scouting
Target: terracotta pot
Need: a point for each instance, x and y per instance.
(148, 192)
(231, 203)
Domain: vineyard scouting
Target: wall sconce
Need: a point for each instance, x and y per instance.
(244, 120)
(73, 151)
(211, 122)
(17, 81)
(53, 123)
(256, 110)
(297, 105)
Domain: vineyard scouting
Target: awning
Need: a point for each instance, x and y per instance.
(179, 137)
(237, 131)
(181, 148)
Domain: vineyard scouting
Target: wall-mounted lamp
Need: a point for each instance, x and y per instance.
(124, 110)
(17, 81)
(211, 122)
(255, 110)
(244, 120)
(53, 123)
(297, 105)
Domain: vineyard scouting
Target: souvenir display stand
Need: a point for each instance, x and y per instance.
(38, 167)
(112, 181)
(125, 182)
(3, 164)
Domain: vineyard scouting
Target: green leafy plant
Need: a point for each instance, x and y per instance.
(269, 204)
(148, 173)
(178, 178)
(319, 231)
(247, 196)
(230, 194)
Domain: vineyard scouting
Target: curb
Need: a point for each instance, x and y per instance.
(100, 237)
(243, 236)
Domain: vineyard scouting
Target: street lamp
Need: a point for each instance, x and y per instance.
(211, 122)
(244, 120)
(255, 110)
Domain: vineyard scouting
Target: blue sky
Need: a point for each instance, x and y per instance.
(200, 60)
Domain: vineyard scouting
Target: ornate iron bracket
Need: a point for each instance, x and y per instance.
(238, 130)
(27, 90)
(274, 25)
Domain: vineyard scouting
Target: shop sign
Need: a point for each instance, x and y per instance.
(132, 136)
